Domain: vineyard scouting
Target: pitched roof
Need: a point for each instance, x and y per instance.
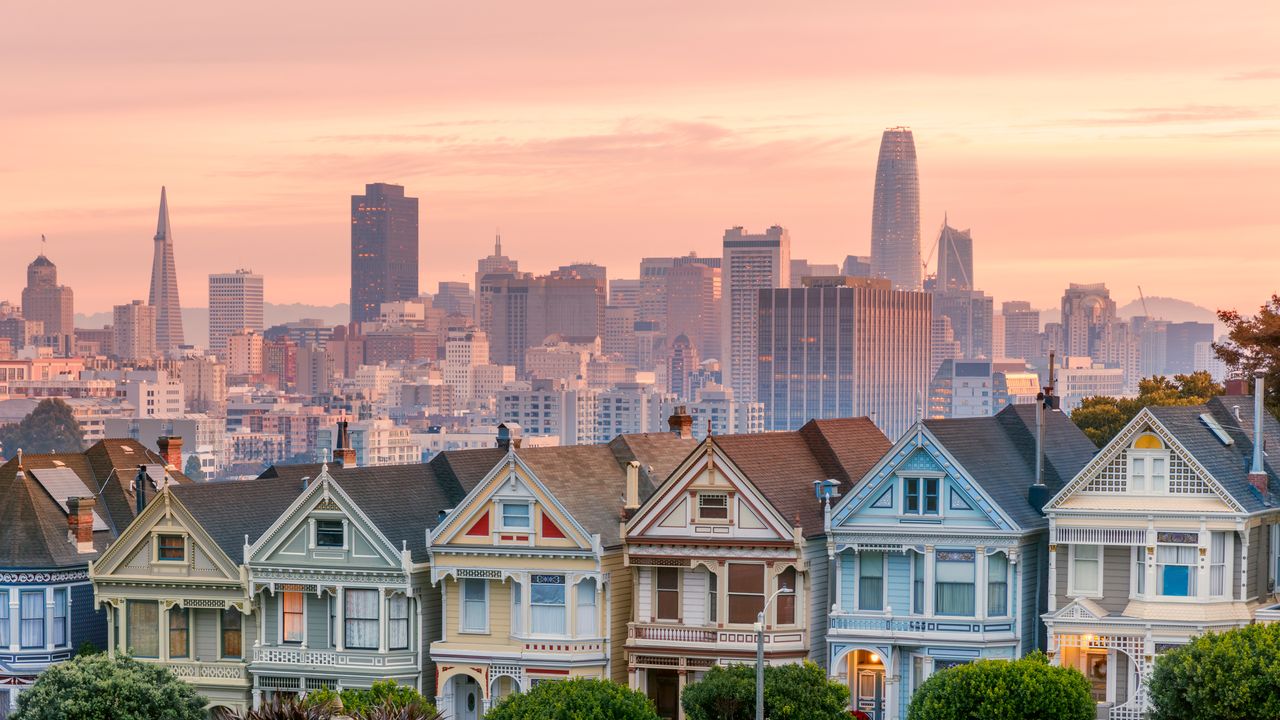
(999, 453)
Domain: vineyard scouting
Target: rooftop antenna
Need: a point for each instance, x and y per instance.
(42, 243)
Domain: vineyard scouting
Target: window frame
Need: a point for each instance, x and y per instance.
(63, 626)
(22, 618)
(160, 547)
(700, 516)
(1072, 589)
(282, 613)
(463, 602)
(659, 592)
(563, 604)
(223, 629)
(1007, 601)
(5, 615)
(502, 515)
(730, 595)
(392, 620)
(591, 609)
(917, 487)
(861, 564)
(790, 600)
(132, 625)
(185, 628)
(1193, 571)
(938, 585)
(317, 533)
(348, 619)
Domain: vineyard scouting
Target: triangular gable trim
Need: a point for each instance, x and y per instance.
(1122, 441)
(140, 529)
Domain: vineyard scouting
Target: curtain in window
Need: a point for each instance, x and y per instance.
(746, 592)
(917, 583)
(586, 610)
(1218, 564)
(178, 633)
(871, 581)
(31, 626)
(1175, 570)
(547, 605)
(291, 617)
(1085, 573)
(398, 623)
(997, 585)
(144, 628)
(517, 608)
(232, 639)
(4, 618)
(785, 604)
(475, 604)
(954, 583)
(361, 619)
(60, 617)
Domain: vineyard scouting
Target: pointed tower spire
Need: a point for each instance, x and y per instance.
(164, 284)
(162, 224)
(497, 243)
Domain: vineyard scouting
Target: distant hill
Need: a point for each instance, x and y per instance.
(1160, 308)
(195, 321)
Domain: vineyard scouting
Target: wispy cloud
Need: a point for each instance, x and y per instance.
(1183, 114)
(1260, 74)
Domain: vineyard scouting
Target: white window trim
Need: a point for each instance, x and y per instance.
(921, 475)
(244, 620)
(679, 618)
(280, 619)
(462, 608)
(857, 582)
(315, 533)
(1148, 455)
(568, 616)
(728, 507)
(1071, 572)
(66, 620)
(155, 547)
(502, 516)
(1008, 584)
(1137, 553)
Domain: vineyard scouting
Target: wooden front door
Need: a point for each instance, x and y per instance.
(664, 691)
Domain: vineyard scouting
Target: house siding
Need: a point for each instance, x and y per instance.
(1259, 547)
(815, 558)
(427, 600)
(88, 622)
(1115, 579)
(898, 571)
(204, 629)
(1033, 573)
(618, 606)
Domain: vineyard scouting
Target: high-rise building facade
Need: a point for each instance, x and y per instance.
(1022, 338)
(526, 310)
(955, 259)
(844, 347)
(454, 298)
(164, 285)
(970, 312)
(51, 304)
(1087, 312)
(498, 266)
(235, 303)
(384, 249)
(693, 306)
(895, 214)
(751, 263)
(134, 326)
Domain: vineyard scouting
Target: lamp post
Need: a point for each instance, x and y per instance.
(784, 590)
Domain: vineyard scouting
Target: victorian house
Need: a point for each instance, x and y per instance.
(58, 513)
(939, 551)
(528, 565)
(737, 530)
(1168, 533)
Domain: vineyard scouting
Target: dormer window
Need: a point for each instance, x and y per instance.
(1148, 465)
(171, 548)
(330, 534)
(516, 516)
(713, 506)
(920, 496)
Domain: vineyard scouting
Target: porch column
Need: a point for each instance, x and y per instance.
(683, 680)
(111, 630)
(382, 622)
(48, 618)
(1202, 563)
(980, 583)
(1053, 578)
(892, 679)
(339, 620)
(928, 580)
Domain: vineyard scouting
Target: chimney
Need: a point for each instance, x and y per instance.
(171, 450)
(681, 423)
(1236, 386)
(1038, 493)
(343, 454)
(1257, 471)
(140, 489)
(80, 523)
(633, 487)
(509, 436)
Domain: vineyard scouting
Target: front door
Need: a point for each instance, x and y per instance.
(870, 699)
(466, 698)
(664, 691)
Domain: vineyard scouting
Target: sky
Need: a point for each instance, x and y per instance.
(1135, 143)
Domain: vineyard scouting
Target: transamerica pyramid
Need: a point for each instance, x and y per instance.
(164, 285)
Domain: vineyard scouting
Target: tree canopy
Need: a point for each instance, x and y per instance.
(49, 428)
(791, 692)
(1253, 343)
(1102, 417)
(99, 687)
(192, 469)
(1227, 676)
(576, 699)
(1026, 689)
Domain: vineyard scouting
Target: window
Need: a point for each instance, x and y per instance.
(1176, 564)
(1140, 570)
(144, 628)
(398, 623)
(333, 622)
(172, 548)
(785, 603)
(547, 605)
(4, 618)
(920, 496)
(232, 637)
(1218, 543)
(330, 533)
(713, 596)
(746, 592)
(667, 584)
(360, 608)
(517, 608)
(31, 615)
(917, 583)
(475, 605)
(1086, 570)
(954, 572)
(179, 635)
(291, 627)
(997, 585)
(515, 516)
(871, 581)
(586, 611)
(60, 629)
(1148, 465)
(713, 506)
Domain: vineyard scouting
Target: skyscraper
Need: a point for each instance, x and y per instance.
(955, 259)
(895, 214)
(235, 303)
(134, 328)
(1087, 313)
(384, 249)
(751, 263)
(164, 285)
(1021, 330)
(498, 266)
(526, 310)
(46, 301)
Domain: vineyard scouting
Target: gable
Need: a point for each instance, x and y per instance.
(707, 497)
(189, 554)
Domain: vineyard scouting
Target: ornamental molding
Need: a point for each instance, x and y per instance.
(909, 542)
(702, 551)
(42, 578)
(329, 577)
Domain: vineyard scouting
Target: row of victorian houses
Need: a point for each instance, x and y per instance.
(649, 559)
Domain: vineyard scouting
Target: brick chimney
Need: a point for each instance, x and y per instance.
(343, 453)
(80, 523)
(1236, 386)
(170, 447)
(1257, 470)
(681, 423)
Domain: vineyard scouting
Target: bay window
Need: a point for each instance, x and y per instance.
(144, 628)
(31, 619)
(585, 612)
(547, 605)
(871, 581)
(61, 631)
(954, 578)
(179, 635)
(291, 614)
(1086, 570)
(1176, 563)
(398, 623)
(746, 592)
(667, 587)
(997, 585)
(360, 609)
(785, 603)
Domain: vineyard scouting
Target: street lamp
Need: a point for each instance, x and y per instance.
(784, 590)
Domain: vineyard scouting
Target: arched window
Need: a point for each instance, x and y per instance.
(1148, 465)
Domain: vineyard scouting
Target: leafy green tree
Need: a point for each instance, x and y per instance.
(791, 692)
(577, 699)
(193, 470)
(1226, 676)
(1026, 689)
(1102, 417)
(99, 687)
(1253, 343)
(49, 428)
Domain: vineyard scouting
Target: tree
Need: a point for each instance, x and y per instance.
(192, 469)
(99, 687)
(576, 699)
(791, 692)
(1102, 417)
(1253, 343)
(384, 693)
(1027, 689)
(49, 428)
(1227, 676)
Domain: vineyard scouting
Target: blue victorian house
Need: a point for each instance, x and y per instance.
(939, 552)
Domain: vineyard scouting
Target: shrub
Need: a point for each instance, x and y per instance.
(98, 687)
(1230, 675)
(577, 699)
(384, 694)
(1026, 689)
(791, 692)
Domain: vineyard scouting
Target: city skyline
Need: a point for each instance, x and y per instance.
(1116, 174)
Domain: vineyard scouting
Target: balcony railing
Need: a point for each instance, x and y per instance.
(676, 635)
(671, 633)
(209, 670)
(334, 658)
(920, 626)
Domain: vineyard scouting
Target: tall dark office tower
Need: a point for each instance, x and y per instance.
(50, 303)
(164, 285)
(895, 215)
(955, 258)
(384, 249)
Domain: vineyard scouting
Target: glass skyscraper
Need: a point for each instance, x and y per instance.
(384, 249)
(895, 215)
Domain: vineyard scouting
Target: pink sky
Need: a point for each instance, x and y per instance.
(1132, 143)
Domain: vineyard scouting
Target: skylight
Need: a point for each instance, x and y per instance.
(1216, 429)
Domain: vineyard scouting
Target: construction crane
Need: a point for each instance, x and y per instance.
(1143, 298)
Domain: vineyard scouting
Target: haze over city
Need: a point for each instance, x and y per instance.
(1086, 142)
